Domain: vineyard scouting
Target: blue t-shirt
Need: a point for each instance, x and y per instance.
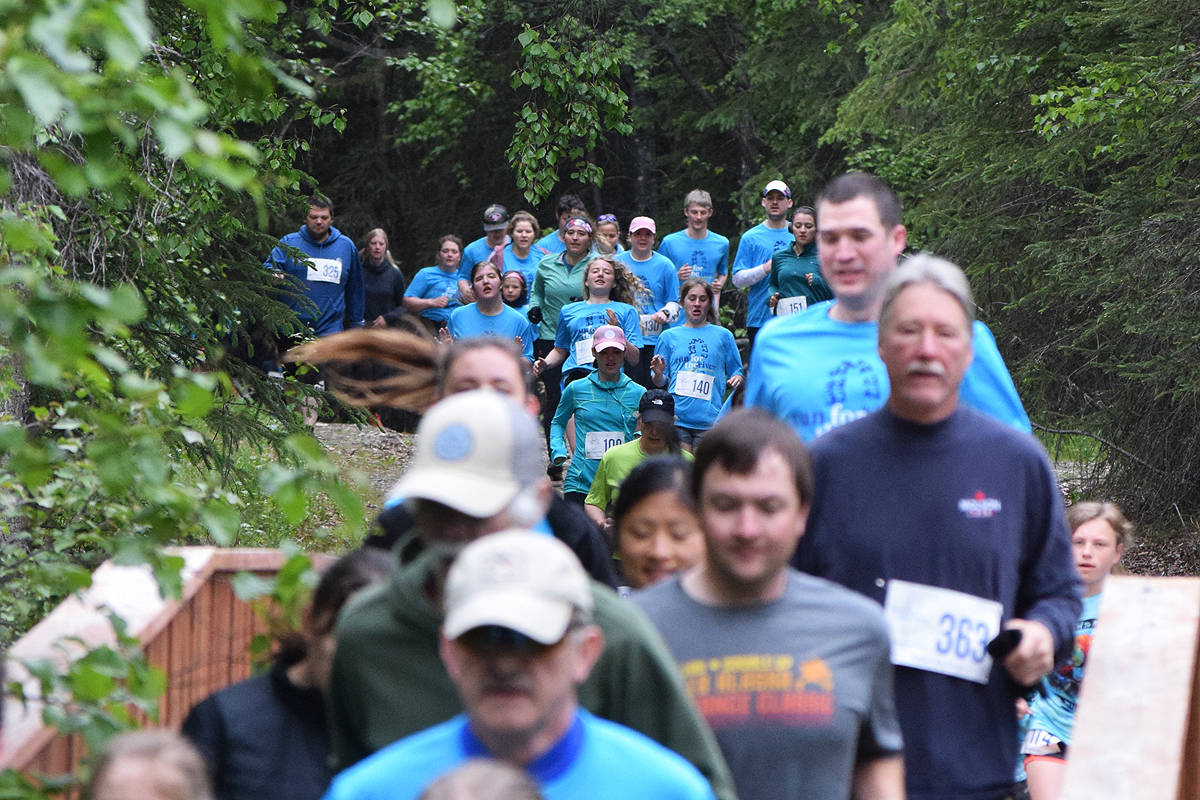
(662, 282)
(709, 256)
(468, 321)
(816, 373)
(578, 321)
(595, 758)
(432, 282)
(699, 361)
(472, 254)
(1053, 711)
(527, 266)
(756, 246)
(605, 416)
(548, 245)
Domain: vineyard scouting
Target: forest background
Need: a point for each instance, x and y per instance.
(155, 150)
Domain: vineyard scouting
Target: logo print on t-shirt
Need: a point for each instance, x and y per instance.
(979, 506)
(737, 689)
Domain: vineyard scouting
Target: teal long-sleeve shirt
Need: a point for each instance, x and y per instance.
(556, 284)
(605, 416)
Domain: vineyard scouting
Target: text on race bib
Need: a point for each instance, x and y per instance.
(583, 351)
(650, 326)
(790, 305)
(694, 384)
(596, 443)
(941, 630)
(325, 270)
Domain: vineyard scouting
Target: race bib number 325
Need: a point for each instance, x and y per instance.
(941, 630)
(325, 270)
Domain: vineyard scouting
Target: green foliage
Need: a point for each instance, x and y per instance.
(1050, 149)
(142, 147)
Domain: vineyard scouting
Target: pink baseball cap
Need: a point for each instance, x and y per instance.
(607, 337)
(642, 224)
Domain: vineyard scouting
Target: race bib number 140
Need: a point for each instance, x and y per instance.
(941, 630)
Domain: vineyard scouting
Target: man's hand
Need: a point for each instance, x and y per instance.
(685, 272)
(773, 300)
(441, 301)
(1034, 655)
(658, 366)
(718, 282)
(734, 381)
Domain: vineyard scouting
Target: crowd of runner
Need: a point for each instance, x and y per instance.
(863, 583)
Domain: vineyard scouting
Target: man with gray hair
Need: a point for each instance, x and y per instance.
(819, 369)
(954, 522)
(479, 468)
(517, 641)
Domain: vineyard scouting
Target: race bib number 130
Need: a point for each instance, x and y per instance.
(941, 630)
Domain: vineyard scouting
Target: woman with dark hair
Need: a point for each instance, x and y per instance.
(433, 293)
(266, 738)
(697, 362)
(795, 277)
(658, 531)
(656, 437)
(383, 282)
(488, 315)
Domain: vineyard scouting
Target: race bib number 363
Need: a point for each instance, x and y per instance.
(941, 630)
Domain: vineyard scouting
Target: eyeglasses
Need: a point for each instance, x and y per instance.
(606, 218)
(496, 638)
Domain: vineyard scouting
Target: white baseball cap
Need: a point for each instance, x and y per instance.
(474, 452)
(525, 581)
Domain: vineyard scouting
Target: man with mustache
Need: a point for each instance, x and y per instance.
(819, 369)
(518, 640)
(954, 522)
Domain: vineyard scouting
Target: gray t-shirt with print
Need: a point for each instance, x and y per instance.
(798, 691)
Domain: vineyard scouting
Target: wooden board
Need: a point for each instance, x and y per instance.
(1135, 731)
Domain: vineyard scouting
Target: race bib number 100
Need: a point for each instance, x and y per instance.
(941, 630)
(325, 270)
(694, 384)
(597, 443)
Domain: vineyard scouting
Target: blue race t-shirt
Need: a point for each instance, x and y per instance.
(662, 284)
(578, 321)
(756, 246)
(468, 321)
(709, 256)
(472, 254)
(699, 361)
(1053, 710)
(434, 282)
(548, 245)
(527, 266)
(816, 373)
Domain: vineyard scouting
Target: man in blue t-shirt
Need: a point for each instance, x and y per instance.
(752, 264)
(696, 251)
(954, 523)
(495, 226)
(820, 369)
(518, 640)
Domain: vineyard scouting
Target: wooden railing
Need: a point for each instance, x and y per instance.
(201, 641)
